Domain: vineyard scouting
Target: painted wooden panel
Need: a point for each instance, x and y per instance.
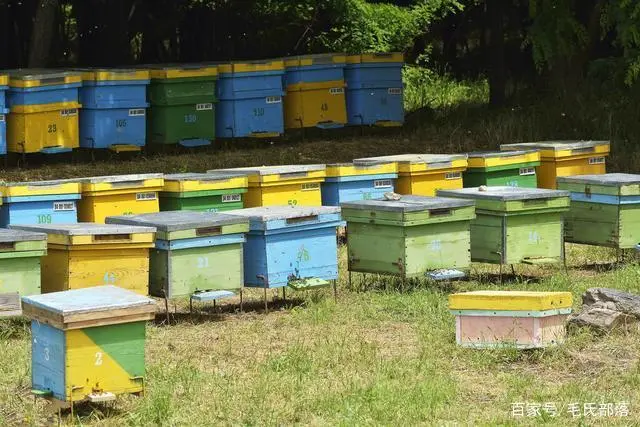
(97, 208)
(445, 245)
(524, 177)
(48, 359)
(21, 275)
(43, 210)
(376, 248)
(510, 303)
(203, 201)
(549, 171)
(616, 226)
(428, 184)
(335, 192)
(306, 194)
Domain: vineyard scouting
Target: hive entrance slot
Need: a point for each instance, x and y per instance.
(208, 231)
(439, 212)
(53, 80)
(7, 246)
(583, 150)
(302, 219)
(111, 237)
(535, 202)
(137, 183)
(289, 175)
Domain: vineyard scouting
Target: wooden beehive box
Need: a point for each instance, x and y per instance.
(347, 182)
(88, 344)
(408, 237)
(516, 225)
(210, 192)
(490, 319)
(605, 209)
(87, 255)
(20, 253)
(502, 168)
(194, 251)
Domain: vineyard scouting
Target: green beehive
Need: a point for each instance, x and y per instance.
(182, 105)
(210, 192)
(515, 225)
(502, 168)
(605, 209)
(408, 237)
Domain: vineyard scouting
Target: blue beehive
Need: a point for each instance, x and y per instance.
(250, 99)
(360, 180)
(290, 246)
(41, 202)
(114, 109)
(374, 89)
(4, 85)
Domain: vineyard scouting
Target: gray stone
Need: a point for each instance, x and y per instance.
(606, 309)
(602, 320)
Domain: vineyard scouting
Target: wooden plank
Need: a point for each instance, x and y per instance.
(10, 303)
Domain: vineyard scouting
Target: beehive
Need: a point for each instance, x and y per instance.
(565, 158)
(194, 251)
(490, 319)
(288, 245)
(424, 174)
(347, 182)
(39, 202)
(315, 91)
(104, 196)
(88, 344)
(44, 111)
(502, 168)
(210, 192)
(408, 237)
(250, 99)
(88, 255)
(20, 253)
(374, 89)
(516, 225)
(294, 185)
(4, 85)
(605, 209)
(114, 103)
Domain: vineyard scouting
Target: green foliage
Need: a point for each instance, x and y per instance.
(623, 16)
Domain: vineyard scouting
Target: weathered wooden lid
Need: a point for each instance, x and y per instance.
(209, 176)
(510, 300)
(89, 307)
(417, 158)
(40, 74)
(408, 204)
(178, 220)
(492, 154)
(11, 236)
(554, 145)
(39, 183)
(84, 229)
(607, 180)
(273, 170)
(120, 178)
(272, 213)
(504, 193)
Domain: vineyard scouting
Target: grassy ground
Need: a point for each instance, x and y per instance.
(378, 356)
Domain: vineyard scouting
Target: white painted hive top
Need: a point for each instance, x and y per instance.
(9, 235)
(120, 178)
(408, 204)
(178, 220)
(271, 213)
(609, 179)
(504, 193)
(84, 229)
(273, 170)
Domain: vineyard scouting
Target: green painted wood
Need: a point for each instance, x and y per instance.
(615, 226)
(436, 216)
(23, 246)
(190, 201)
(20, 274)
(184, 271)
(612, 184)
(499, 177)
(124, 343)
(204, 232)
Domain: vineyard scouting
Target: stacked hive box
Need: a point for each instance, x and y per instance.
(250, 99)
(490, 319)
(88, 344)
(408, 237)
(374, 89)
(605, 209)
(104, 196)
(20, 253)
(44, 111)
(503, 168)
(182, 105)
(294, 185)
(424, 174)
(565, 158)
(88, 255)
(210, 192)
(194, 252)
(360, 180)
(40, 202)
(4, 85)
(315, 91)
(515, 225)
(114, 104)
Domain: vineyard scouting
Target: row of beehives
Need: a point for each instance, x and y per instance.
(53, 111)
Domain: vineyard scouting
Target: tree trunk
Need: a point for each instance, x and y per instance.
(43, 31)
(497, 74)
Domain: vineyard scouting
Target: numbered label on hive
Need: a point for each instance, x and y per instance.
(64, 206)
(310, 187)
(2, 119)
(336, 90)
(69, 112)
(137, 112)
(146, 196)
(382, 183)
(230, 198)
(596, 160)
(527, 171)
(394, 91)
(274, 99)
(453, 175)
(204, 107)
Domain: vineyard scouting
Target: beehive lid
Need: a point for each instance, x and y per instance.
(209, 176)
(38, 188)
(180, 71)
(42, 77)
(559, 149)
(510, 300)
(378, 57)
(178, 220)
(504, 193)
(4, 80)
(272, 213)
(84, 229)
(362, 167)
(89, 307)
(423, 162)
(408, 204)
(274, 170)
(607, 180)
(113, 74)
(494, 154)
(251, 66)
(12, 236)
(120, 178)
(316, 59)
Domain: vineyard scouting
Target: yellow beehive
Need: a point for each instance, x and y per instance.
(117, 195)
(89, 254)
(566, 158)
(295, 185)
(424, 174)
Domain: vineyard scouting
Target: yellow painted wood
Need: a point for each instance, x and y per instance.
(550, 170)
(510, 300)
(251, 67)
(97, 208)
(489, 162)
(115, 75)
(307, 60)
(428, 183)
(376, 58)
(181, 73)
(23, 82)
(305, 194)
(350, 169)
(4, 80)
(135, 186)
(91, 369)
(205, 185)
(41, 189)
(118, 241)
(309, 104)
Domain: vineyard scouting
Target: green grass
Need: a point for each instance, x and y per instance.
(376, 357)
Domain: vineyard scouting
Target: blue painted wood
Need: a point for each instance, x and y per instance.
(55, 209)
(48, 359)
(43, 95)
(3, 128)
(102, 128)
(211, 295)
(341, 189)
(605, 199)
(114, 94)
(200, 242)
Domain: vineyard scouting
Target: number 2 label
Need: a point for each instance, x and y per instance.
(98, 358)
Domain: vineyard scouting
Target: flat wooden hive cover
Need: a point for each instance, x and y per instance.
(510, 300)
(274, 170)
(417, 158)
(209, 176)
(40, 183)
(178, 220)
(84, 229)
(11, 236)
(492, 154)
(121, 178)
(607, 180)
(273, 213)
(87, 307)
(40, 74)
(553, 145)
(408, 204)
(504, 193)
